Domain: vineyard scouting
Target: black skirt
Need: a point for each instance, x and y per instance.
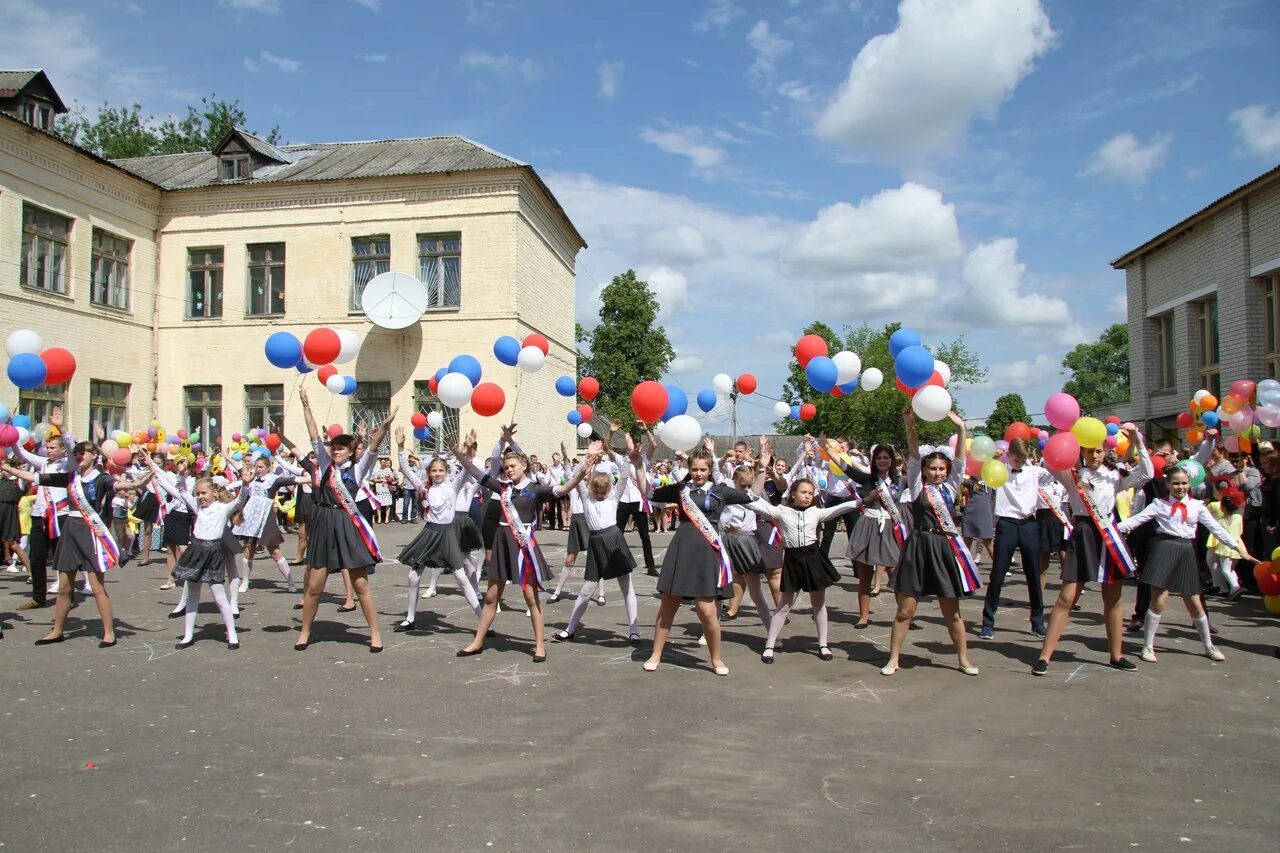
(436, 545)
(928, 567)
(807, 570)
(490, 521)
(1171, 565)
(10, 530)
(743, 552)
(147, 510)
(1085, 550)
(608, 555)
(204, 561)
(504, 561)
(691, 567)
(770, 555)
(75, 551)
(1052, 533)
(579, 533)
(334, 543)
(302, 508)
(177, 529)
(469, 538)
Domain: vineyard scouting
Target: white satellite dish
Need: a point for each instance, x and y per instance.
(394, 300)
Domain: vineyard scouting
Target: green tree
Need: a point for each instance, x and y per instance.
(118, 132)
(1099, 372)
(1009, 409)
(626, 347)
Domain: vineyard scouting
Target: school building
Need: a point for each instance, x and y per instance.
(165, 275)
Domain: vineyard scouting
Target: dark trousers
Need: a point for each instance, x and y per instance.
(1024, 537)
(41, 549)
(1142, 603)
(632, 511)
(829, 527)
(554, 519)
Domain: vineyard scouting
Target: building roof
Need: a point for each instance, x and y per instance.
(1200, 215)
(261, 147)
(14, 82)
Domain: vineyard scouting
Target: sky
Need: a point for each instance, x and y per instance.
(965, 167)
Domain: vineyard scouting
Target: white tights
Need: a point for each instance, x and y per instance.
(754, 589)
(818, 598)
(1223, 570)
(191, 593)
(588, 592)
(415, 582)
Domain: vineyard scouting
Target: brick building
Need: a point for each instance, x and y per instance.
(1204, 303)
(164, 275)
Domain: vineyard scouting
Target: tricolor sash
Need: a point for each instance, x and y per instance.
(348, 506)
(969, 578)
(890, 505)
(51, 510)
(708, 532)
(1056, 509)
(1114, 544)
(106, 551)
(775, 535)
(527, 559)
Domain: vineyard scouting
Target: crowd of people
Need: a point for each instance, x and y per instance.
(744, 524)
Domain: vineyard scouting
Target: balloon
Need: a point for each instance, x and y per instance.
(795, 413)
(847, 388)
(324, 374)
(1208, 401)
(421, 433)
(1240, 420)
(1209, 419)
(334, 430)
(302, 366)
(972, 467)
(1268, 416)
(1269, 585)
(1089, 432)
(1185, 420)
(1061, 452)
(433, 385)
(60, 366)
(335, 384)
(1017, 431)
(27, 371)
(418, 419)
(1122, 444)
(914, 366)
(468, 366)
(8, 435)
(781, 409)
(487, 399)
(821, 373)
(995, 473)
(23, 341)
(848, 367)
(871, 379)
(902, 339)
(586, 412)
(942, 369)
(565, 386)
(746, 384)
(1062, 411)
(121, 457)
(706, 399)
(589, 387)
(932, 404)
(1111, 428)
(321, 346)
(349, 386)
(681, 433)
(677, 402)
(4, 413)
(808, 347)
(1232, 404)
(1232, 443)
(722, 383)
(1243, 388)
(435, 419)
(348, 346)
(584, 430)
(1110, 442)
(982, 448)
(1265, 568)
(272, 442)
(531, 359)
(455, 389)
(1195, 471)
(574, 417)
(1194, 436)
(1157, 465)
(1002, 447)
(506, 349)
(538, 341)
(808, 411)
(21, 422)
(649, 401)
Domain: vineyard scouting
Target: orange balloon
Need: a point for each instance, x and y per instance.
(1194, 436)
(1232, 404)
(1246, 446)
(1208, 402)
(1193, 407)
(1260, 569)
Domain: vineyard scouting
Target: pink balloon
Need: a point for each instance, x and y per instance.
(1110, 442)
(972, 467)
(1043, 435)
(8, 435)
(1233, 443)
(1062, 452)
(951, 442)
(1062, 411)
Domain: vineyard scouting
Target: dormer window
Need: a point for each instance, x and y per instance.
(235, 167)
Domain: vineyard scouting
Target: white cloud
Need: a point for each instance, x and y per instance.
(778, 337)
(683, 363)
(1259, 132)
(917, 88)
(769, 47)
(281, 63)
(73, 61)
(683, 243)
(1022, 374)
(688, 142)
(992, 294)
(266, 7)
(1119, 306)
(372, 57)
(799, 92)
(371, 5)
(610, 79)
(134, 9)
(501, 65)
(670, 288)
(718, 16)
(1124, 158)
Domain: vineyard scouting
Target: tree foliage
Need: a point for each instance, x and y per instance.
(876, 416)
(1099, 372)
(1009, 408)
(626, 347)
(118, 132)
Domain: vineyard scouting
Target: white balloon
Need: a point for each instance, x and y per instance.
(531, 359)
(350, 346)
(434, 419)
(1200, 394)
(454, 389)
(682, 433)
(781, 409)
(656, 429)
(944, 370)
(722, 383)
(335, 384)
(848, 366)
(931, 403)
(213, 422)
(23, 340)
(23, 435)
(871, 379)
(584, 430)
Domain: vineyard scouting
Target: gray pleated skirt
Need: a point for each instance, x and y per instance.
(334, 543)
(469, 538)
(504, 561)
(744, 553)
(691, 568)
(75, 552)
(871, 546)
(608, 555)
(436, 545)
(579, 533)
(204, 561)
(1171, 565)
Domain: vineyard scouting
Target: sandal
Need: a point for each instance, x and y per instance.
(889, 669)
(825, 653)
(767, 655)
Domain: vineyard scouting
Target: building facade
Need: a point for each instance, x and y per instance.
(1204, 303)
(165, 275)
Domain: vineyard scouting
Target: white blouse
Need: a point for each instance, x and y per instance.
(439, 502)
(601, 515)
(211, 520)
(737, 518)
(799, 526)
(1179, 518)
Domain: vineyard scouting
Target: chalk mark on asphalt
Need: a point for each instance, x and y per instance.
(510, 674)
(858, 691)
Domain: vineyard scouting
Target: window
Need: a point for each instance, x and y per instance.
(440, 268)
(235, 168)
(44, 249)
(38, 403)
(264, 406)
(370, 256)
(1210, 351)
(29, 112)
(204, 411)
(45, 116)
(110, 284)
(1166, 377)
(108, 405)
(204, 283)
(266, 280)
(1271, 305)
(372, 403)
(447, 435)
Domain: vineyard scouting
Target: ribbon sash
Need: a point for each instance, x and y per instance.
(1056, 509)
(527, 560)
(969, 577)
(775, 535)
(891, 506)
(348, 506)
(106, 551)
(1115, 547)
(51, 509)
(708, 532)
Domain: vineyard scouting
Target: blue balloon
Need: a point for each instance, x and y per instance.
(706, 399)
(902, 339)
(506, 349)
(1113, 429)
(21, 421)
(677, 402)
(237, 456)
(349, 386)
(914, 366)
(574, 417)
(4, 413)
(848, 387)
(1210, 419)
(302, 366)
(468, 366)
(283, 350)
(821, 372)
(440, 374)
(795, 413)
(27, 370)
(566, 387)
(422, 433)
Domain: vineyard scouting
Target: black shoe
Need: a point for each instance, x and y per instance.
(107, 644)
(652, 572)
(404, 626)
(183, 645)
(913, 627)
(463, 653)
(301, 647)
(1040, 667)
(767, 656)
(635, 639)
(373, 650)
(539, 658)
(174, 614)
(825, 653)
(49, 641)
(231, 647)
(346, 609)
(1124, 665)
(861, 626)
(562, 636)
(297, 607)
(1134, 627)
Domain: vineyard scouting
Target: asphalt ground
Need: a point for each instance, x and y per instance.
(143, 747)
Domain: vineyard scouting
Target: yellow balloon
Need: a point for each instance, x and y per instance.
(1275, 555)
(1273, 604)
(1090, 432)
(994, 473)
(124, 439)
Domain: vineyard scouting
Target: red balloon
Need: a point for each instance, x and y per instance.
(325, 372)
(486, 400)
(836, 392)
(586, 413)
(1062, 452)
(1269, 584)
(537, 340)
(121, 457)
(418, 420)
(1017, 430)
(321, 346)
(1185, 420)
(334, 430)
(808, 411)
(910, 392)
(808, 347)
(746, 384)
(60, 364)
(272, 441)
(8, 435)
(434, 387)
(649, 401)
(589, 387)
(1157, 465)
(972, 467)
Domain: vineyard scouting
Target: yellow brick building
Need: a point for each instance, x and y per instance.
(165, 275)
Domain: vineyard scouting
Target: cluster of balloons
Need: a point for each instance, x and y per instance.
(1245, 408)
(587, 388)
(1061, 450)
(31, 365)
(424, 423)
(459, 384)
(118, 448)
(319, 351)
(920, 376)
(254, 444)
(1267, 575)
(17, 431)
(795, 411)
(529, 355)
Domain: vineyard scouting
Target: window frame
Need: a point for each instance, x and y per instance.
(272, 407)
(268, 266)
(241, 167)
(449, 432)
(1210, 345)
(1166, 373)
(210, 408)
(440, 254)
(100, 404)
(102, 255)
(38, 403)
(33, 237)
(1271, 340)
(206, 270)
(381, 262)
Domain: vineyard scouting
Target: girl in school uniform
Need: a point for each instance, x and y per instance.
(879, 533)
(1171, 560)
(12, 491)
(177, 519)
(1055, 527)
(935, 561)
(341, 538)
(258, 527)
(579, 536)
(740, 532)
(978, 519)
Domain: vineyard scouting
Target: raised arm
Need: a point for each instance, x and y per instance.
(312, 429)
(1224, 536)
(962, 440)
(26, 476)
(913, 440)
(1135, 521)
(375, 441)
(1144, 471)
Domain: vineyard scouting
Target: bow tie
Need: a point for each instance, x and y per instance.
(1015, 470)
(1178, 507)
